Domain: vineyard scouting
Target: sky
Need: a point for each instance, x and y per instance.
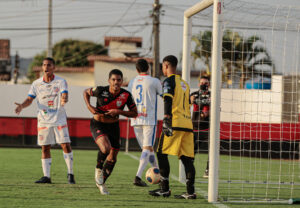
(24, 22)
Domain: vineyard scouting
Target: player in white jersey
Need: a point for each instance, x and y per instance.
(51, 93)
(144, 90)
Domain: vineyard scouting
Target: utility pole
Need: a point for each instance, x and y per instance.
(17, 67)
(155, 16)
(49, 51)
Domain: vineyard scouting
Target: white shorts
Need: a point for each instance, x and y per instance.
(53, 135)
(145, 135)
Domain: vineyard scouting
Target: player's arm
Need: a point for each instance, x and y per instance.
(64, 98)
(27, 102)
(168, 93)
(87, 95)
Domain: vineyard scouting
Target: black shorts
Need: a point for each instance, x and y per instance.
(111, 130)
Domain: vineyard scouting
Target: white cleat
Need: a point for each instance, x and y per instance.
(99, 176)
(103, 189)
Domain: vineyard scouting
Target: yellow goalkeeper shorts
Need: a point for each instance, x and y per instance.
(180, 143)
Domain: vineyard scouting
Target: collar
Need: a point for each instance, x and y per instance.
(51, 79)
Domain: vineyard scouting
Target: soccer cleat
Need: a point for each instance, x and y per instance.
(99, 176)
(103, 189)
(71, 179)
(44, 179)
(139, 182)
(160, 192)
(205, 175)
(186, 196)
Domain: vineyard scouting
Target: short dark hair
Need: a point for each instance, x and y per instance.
(142, 65)
(49, 59)
(172, 60)
(204, 77)
(116, 72)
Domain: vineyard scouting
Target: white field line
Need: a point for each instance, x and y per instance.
(198, 190)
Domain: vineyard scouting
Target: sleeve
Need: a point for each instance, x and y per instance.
(95, 92)
(64, 87)
(168, 87)
(130, 102)
(32, 91)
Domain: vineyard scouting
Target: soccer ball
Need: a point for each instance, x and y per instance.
(153, 175)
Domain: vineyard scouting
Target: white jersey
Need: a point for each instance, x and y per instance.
(144, 90)
(48, 96)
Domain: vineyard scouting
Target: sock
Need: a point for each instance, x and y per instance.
(188, 163)
(69, 161)
(164, 168)
(107, 169)
(152, 159)
(101, 159)
(46, 165)
(144, 159)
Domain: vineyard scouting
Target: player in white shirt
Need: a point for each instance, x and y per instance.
(51, 93)
(144, 90)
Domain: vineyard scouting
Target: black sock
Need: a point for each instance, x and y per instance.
(188, 163)
(164, 168)
(108, 168)
(101, 159)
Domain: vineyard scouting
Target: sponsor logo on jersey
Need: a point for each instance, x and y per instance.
(105, 94)
(50, 104)
(183, 86)
(55, 89)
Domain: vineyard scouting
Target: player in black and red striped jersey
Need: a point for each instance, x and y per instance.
(104, 126)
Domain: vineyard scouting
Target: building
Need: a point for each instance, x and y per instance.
(5, 61)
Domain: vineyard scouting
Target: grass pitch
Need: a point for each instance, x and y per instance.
(19, 168)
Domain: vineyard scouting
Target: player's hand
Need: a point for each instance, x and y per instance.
(18, 108)
(112, 112)
(93, 110)
(167, 126)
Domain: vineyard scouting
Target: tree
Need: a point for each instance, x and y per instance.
(69, 53)
(243, 58)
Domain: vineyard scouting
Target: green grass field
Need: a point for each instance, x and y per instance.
(21, 167)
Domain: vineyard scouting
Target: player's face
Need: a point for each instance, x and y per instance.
(115, 82)
(48, 68)
(165, 68)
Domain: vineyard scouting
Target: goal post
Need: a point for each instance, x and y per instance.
(215, 87)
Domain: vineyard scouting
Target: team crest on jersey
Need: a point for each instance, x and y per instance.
(119, 103)
(50, 104)
(183, 86)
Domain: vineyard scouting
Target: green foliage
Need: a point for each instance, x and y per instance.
(69, 53)
(242, 57)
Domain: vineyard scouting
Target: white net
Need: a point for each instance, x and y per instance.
(259, 129)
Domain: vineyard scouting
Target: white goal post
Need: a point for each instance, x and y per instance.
(215, 87)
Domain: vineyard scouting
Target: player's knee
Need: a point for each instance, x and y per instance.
(144, 154)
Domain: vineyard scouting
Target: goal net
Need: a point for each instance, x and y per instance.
(259, 99)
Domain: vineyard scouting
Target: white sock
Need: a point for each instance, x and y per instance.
(152, 159)
(46, 165)
(69, 161)
(144, 159)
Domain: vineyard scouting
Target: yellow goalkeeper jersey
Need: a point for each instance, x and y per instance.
(179, 91)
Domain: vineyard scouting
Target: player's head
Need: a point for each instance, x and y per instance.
(169, 65)
(204, 83)
(142, 65)
(115, 80)
(48, 66)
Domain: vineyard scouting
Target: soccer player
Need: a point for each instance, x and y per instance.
(145, 89)
(51, 93)
(177, 135)
(104, 126)
(201, 107)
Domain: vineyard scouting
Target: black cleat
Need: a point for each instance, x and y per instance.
(44, 179)
(160, 192)
(71, 179)
(186, 196)
(139, 182)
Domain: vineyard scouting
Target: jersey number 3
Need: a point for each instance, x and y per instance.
(139, 89)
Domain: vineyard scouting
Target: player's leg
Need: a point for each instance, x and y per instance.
(45, 139)
(63, 138)
(186, 155)
(164, 168)
(204, 143)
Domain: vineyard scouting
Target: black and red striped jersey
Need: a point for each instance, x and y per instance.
(107, 101)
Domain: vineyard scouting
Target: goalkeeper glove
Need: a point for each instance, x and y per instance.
(167, 126)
